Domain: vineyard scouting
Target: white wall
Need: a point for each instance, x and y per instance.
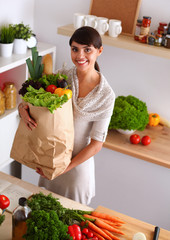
(128, 72)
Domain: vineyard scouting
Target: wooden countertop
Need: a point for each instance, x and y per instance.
(130, 228)
(157, 152)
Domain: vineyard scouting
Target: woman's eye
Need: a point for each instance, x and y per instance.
(74, 49)
(87, 50)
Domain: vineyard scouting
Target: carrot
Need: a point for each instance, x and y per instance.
(111, 234)
(106, 216)
(116, 225)
(104, 225)
(93, 227)
(97, 235)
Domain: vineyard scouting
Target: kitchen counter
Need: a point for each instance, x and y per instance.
(130, 228)
(158, 151)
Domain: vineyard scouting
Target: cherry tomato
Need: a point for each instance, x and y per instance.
(84, 237)
(90, 234)
(135, 139)
(51, 88)
(4, 202)
(85, 231)
(146, 140)
(95, 238)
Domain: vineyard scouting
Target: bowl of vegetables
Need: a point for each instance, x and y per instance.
(129, 114)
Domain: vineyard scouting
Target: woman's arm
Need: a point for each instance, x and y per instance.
(23, 110)
(89, 151)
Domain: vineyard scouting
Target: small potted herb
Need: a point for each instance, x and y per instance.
(6, 40)
(22, 33)
(129, 114)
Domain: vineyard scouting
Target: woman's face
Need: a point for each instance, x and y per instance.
(84, 56)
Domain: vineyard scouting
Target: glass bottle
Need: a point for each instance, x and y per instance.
(10, 96)
(138, 29)
(19, 217)
(2, 102)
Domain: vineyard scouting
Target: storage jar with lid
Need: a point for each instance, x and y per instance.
(146, 22)
(167, 41)
(138, 29)
(158, 40)
(161, 27)
(10, 96)
(19, 217)
(2, 102)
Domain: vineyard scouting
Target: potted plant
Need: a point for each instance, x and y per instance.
(129, 114)
(6, 41)
(22, 33)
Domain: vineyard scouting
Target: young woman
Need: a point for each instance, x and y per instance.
(93, 102)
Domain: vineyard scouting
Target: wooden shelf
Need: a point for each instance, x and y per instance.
(124, 42)
(157, 152)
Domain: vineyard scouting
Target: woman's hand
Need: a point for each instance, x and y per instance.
(40, 171)
(24, 114)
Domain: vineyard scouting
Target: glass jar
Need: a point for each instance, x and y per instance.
(146, 22)
(137, 30)
(19, 217)
(167, 41)
(10, 96)
(161, 27)
(158, 40)
(151, 39)
(2, 102)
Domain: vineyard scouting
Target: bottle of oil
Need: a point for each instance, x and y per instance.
(19, 217)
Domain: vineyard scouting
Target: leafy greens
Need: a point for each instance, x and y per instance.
(129, 113)
(41, 98)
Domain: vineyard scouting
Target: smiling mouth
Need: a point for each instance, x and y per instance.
(81, 62)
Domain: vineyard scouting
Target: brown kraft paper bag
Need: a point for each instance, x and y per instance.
(48, 146)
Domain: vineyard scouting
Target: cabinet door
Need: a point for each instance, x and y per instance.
(8, 126)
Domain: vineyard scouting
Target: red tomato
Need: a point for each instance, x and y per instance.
(84, 237)
(4, 202)
(146, 140)
(90, 234)
(51, 88)
(95, 238)
(135, 138)
(85, 231)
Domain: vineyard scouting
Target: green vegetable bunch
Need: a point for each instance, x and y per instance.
(46, 226)
(42, 98)
(7, 34)
(129, 113)
(2, 218)
(22, 31)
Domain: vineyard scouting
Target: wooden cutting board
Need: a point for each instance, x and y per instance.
(133, 226)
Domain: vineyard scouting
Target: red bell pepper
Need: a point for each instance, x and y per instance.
(75, 232)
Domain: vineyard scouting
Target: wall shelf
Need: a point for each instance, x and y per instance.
(124, 42)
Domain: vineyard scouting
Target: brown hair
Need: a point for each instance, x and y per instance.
(87, 36)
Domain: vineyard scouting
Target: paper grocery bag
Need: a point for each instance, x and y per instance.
(48, 146)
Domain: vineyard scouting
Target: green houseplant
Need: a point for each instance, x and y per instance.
(22, 33)
(129, 113)
(6, 40)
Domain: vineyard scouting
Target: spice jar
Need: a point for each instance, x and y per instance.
(138, 29)
(19, 217)
(151, 39)
(167, 41)
(161, 27)
(158, 40)
(10, 96)
(2, 102)
(146, 22)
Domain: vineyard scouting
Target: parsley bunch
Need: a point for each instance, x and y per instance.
(129, 113)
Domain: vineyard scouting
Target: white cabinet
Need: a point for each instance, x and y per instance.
(14, 69)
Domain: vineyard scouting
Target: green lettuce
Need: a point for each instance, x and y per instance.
(129, 113)
(42, 98)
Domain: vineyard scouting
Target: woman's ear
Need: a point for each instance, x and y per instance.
(100, 50)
